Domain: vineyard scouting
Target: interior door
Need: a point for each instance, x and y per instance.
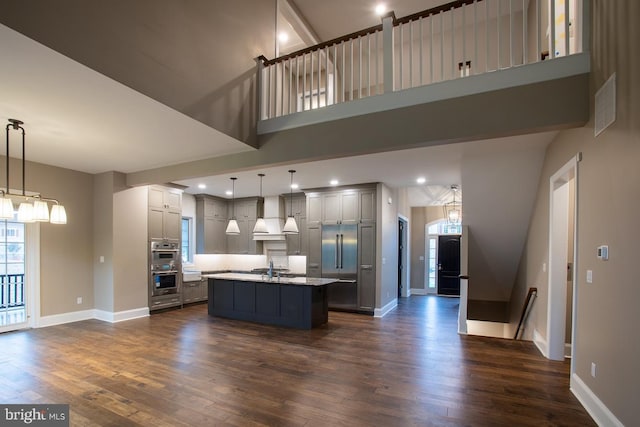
(449, 265)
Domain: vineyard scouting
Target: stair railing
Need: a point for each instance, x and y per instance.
(526, 308)
(451, 41)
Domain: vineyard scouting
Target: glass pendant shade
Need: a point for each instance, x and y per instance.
(6, 208)
(40, 211)
(232, 227)
(260, 227)
(58, 215)
(290, 227)
(454, 216)
(25, 212)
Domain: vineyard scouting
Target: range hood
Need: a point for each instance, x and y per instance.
(274, 216)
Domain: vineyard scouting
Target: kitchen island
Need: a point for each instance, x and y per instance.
(296, 302)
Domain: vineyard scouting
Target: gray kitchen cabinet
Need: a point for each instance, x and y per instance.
(211, 223)
(314, 209)
(297, 243)
(340, 207)
(366, 266)
(165, 213)
(314, 251)
(246, 212)
(367, 205)
(194, 291)
(215, 208)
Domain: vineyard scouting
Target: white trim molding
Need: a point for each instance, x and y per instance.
(540, 342)
(381, 312)
(59, 319)
(417, 291)
(121, 316)
(594, 406)
(105, 316)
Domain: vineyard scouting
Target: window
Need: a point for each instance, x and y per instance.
(431, 279)
(186, 240)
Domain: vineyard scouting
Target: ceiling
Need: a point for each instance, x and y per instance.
(80, 119)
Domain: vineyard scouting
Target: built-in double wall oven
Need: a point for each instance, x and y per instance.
(165, 267)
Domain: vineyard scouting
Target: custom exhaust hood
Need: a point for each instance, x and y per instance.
(274, 216)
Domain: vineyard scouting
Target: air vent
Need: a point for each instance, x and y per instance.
(606, 105)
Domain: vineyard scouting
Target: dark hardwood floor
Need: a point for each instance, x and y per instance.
(184, 368)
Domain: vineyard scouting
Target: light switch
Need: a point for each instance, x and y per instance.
(421, 258)
(589, 276)
(101, 259)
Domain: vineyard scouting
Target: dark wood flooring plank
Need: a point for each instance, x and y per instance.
(185, 368)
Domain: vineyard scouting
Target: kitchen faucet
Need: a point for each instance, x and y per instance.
(270, 272)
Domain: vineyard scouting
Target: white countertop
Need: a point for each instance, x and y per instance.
(246, 277)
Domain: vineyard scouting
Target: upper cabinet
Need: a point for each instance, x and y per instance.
(211, 223)
(246, 211)
(165, 213)
(350, 206)
(340, 207)
(212, 217)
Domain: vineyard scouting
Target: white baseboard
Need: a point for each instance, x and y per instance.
(415, 291)
(59, 319)
(105, 316)
(541, 343)
(381, 312)
(120, 316)
(594, 406)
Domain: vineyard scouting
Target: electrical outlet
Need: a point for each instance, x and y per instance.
(101, 258)
(593, 369)
(79, 300)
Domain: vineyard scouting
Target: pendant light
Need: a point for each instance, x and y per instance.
(290, 227)
(232, 227)
(452, 210)
(261, 226)
(28, 212)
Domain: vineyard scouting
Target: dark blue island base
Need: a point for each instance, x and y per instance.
(272, 303)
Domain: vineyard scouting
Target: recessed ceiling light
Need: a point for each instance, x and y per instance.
(294, 186)
(421, 180)
(381, 8)
(228, 192)
(333, 182)
(283, 37)
(202, 186)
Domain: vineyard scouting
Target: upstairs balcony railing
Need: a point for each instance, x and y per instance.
(11, 291)
(455, 40)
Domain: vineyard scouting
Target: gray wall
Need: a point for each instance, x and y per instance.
(420, 216)
(608, 211)
(65, 250)
(196, 57)
(103, 240)
(387, 246)
(130, 253)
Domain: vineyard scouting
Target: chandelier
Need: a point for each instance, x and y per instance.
(38, 211)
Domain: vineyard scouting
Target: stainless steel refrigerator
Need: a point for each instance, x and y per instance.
(339, 261)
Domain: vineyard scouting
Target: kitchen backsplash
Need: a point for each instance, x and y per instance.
(219, 262)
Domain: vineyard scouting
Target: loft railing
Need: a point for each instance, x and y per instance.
(455, 40)
(11, 291)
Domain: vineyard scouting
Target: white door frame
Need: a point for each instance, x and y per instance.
(558, 247)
